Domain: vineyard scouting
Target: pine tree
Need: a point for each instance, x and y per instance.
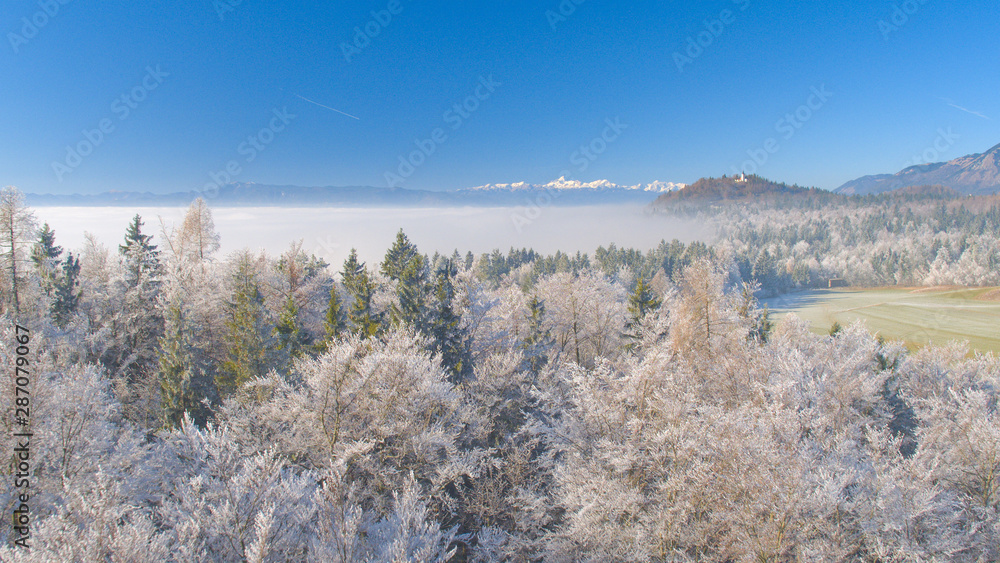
(141, 257)
(134, 235)
(760, 323)
(249, 339)
(58, 277)
(404, 265)
(412, 293)
(46, 247)
(300, 274)
(333, 324)
(539, 338)
(765, 271)
(66, 296)
(364, 320)
(179, 371)
(291, 338)
(138, 325)
(351, 270)
(45, 255)
(399, 257)
(449, 340)
(642, 301)
(361, 314)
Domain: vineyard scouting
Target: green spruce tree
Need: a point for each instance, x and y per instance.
(759, 319)
(412, 292)
(351, 271)
(536, 343)
(404, 265)
(66, 295)
(641, 302)
(362, 315)
(182, 376)
(399, 257)
(249, 341)
(138, 326)
(141, 258)
(333, 323)
(449, 340)
(292, 340)
(835, 328)
(45, 256)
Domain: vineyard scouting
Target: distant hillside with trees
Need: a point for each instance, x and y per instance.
(738, 189)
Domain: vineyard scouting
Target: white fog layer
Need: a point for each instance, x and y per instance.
(330, 233)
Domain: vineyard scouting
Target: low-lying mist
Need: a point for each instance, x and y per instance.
(330, 233)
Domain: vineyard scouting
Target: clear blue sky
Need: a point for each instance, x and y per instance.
(559, 80)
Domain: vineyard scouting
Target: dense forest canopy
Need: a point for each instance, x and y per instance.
(789, 238)
(620, 406)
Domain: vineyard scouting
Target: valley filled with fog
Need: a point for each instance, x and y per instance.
(330, 233)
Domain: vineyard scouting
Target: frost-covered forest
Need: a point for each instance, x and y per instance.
(625, 406)
(801, 241)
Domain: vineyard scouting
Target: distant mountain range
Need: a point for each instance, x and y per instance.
(564, 184)
(976, 174)
(559, 192)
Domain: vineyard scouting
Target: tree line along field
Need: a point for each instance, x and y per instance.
(506, 407)
(918, 317)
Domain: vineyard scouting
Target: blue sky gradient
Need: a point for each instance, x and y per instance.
(205, 81)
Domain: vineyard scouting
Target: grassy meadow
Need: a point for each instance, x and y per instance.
(917, 316)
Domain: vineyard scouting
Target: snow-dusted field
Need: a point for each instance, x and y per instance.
(331, 232)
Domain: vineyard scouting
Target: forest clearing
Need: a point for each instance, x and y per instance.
(917, 316)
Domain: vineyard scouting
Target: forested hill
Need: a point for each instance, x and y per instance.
(753, 188)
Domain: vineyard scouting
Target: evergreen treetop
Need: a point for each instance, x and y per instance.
(134, 236)
(399, 257)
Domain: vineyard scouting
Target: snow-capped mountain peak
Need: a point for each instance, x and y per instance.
(563, 184)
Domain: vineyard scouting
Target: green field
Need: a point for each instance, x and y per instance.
(917, 316)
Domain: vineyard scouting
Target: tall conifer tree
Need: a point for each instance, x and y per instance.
(249, 341)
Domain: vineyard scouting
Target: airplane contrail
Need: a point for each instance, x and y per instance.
(956, 106)
(322, 106)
